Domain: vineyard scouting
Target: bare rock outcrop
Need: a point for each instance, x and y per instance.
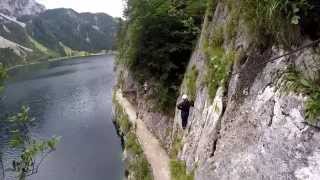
(251, 129)
(16, 8)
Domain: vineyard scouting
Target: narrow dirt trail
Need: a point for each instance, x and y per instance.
(155, 154)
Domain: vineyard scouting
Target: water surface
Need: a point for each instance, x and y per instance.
(71, 99)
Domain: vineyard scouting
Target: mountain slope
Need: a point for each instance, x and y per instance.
(30, 33)
(18, 8)
(83, 32)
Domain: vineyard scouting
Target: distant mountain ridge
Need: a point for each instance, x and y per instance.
(18, 8)
(29, 32)
(80, 31)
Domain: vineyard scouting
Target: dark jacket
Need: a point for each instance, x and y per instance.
(184, 106)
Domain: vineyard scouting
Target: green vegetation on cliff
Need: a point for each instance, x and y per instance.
(155, 43)
(296, 81)
(179, 171)
(138, 165)
(9, 58)
(191, 82)
(3, 75)
(239, 38)
(156, 39)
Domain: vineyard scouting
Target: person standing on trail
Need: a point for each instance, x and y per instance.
(145, 87)
(184, 106)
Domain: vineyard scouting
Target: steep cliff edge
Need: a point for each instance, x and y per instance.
(256, 113)
(251, 129)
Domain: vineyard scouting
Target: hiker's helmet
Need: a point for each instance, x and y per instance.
(184, 97)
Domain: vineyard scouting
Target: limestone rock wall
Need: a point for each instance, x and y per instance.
(252, 129)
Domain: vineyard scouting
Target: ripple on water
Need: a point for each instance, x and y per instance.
(72, 100)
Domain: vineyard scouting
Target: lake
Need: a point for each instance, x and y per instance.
(71, 99)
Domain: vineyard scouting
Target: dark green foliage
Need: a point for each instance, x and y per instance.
(211, 6)
(19, 127)
(156, 42)
(3, 76)
(190, 12)
(274, 20)
(178, 171)
(84, 32)
(310, 21)
(9, 58)
(295, 81)
(164, 97)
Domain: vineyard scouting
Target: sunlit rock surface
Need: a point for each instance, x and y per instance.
(16, 8)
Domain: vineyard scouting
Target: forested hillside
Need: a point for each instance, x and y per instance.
(80, 31)
(156, 42)
(252, 69)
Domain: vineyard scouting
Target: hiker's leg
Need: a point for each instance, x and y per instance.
(184, 123)
(184, 117)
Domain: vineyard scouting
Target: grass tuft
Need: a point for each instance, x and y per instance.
(232, 23)
(122, 118)
(176, 147)
(296, 82)
(191, 82)
(139, 167)
(179, 171)
(3, 76)
(273, 20)
(219, 65)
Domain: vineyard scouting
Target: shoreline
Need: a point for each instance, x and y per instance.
(156, 156)
(55, 59)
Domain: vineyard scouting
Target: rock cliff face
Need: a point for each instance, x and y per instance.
(251, 129)
(91, 32)
(18, 8)
(158, 123)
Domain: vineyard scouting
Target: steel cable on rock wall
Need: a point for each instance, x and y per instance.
(313, 43)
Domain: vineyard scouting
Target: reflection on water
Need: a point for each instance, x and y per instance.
(71, 99)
